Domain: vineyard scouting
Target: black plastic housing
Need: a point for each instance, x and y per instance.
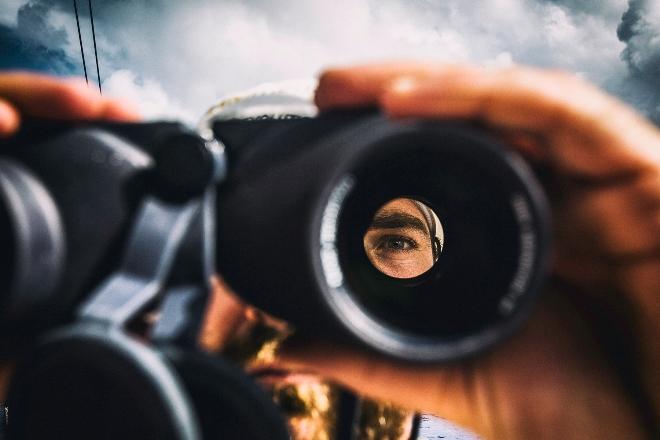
(301, 194)
(86, 180)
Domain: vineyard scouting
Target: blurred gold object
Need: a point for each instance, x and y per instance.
(310, 408)
(308, 403)
(383, 421)
(251, 338)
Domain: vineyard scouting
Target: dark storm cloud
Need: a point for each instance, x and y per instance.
(44, 36)
(24, 53)
(640, 31)
(32, 17)
(607, 8)
(34, 43)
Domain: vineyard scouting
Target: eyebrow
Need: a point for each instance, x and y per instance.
(397, 220)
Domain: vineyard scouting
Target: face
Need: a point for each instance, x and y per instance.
(400, 239)
(310, 404)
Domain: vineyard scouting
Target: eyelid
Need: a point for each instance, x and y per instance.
(373, 235)
(383, 238)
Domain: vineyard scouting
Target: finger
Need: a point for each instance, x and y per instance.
(364, 85)
(45, 96)
(224, 314)
(119, 110)
(588, 132)
(115, 110)
(9, 118)
(384, 379)
(643, 282)
(532, 379)
(611, 212)
(48, 97)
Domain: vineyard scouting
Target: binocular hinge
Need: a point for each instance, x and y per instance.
(148, 259)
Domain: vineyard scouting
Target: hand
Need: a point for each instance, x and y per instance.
(31, 94)
(587, 363)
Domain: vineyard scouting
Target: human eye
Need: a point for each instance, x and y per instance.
(400, 254)
(395, 244)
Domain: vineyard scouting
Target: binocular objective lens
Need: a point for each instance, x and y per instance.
(404, 239)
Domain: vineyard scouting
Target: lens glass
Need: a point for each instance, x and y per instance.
(404, 239)
(385, 238)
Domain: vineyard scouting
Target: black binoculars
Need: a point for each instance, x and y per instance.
(423, 241)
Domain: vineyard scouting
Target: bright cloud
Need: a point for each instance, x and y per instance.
(191, 53)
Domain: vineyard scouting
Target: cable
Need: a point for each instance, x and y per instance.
(75, 8)
(91, 17)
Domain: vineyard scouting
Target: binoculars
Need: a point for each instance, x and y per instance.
(423, 241)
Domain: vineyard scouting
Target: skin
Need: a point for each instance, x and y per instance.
(560, 376)
(30, 94)
(557, 377)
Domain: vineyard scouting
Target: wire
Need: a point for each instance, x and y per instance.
(75, 8)
(91, 17)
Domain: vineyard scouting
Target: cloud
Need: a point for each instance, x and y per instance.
(609, 9)
(203, 50)
(27, 53)
(32, 40)
(640, 31)
(198, 51)
(34, 15)
(148, 95)
(9, 10)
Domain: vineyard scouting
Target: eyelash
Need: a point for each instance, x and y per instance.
(381, 244)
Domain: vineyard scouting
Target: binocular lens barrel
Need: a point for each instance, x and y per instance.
(422, 240)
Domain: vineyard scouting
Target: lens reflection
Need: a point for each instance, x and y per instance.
(405, 238)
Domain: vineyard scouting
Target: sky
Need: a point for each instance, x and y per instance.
(175, 59)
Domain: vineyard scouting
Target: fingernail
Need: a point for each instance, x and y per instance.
(404, 85)
(9, 120)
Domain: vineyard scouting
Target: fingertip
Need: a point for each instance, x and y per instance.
(329, 92)
(348, 87)
(116, 110)
(10, 119)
